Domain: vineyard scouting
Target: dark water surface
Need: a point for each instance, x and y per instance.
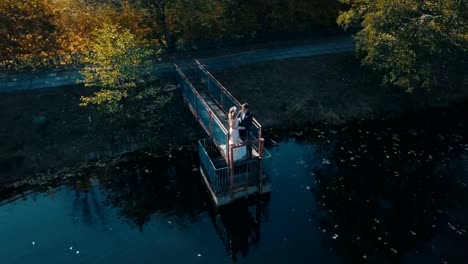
(386, 191)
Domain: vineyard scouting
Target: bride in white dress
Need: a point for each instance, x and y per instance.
(239, 152)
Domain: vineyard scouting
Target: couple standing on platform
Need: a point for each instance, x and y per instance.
(239, 128)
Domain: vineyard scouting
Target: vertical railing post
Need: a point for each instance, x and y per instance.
(227, 146)
(231, 168)
(260, 165)
(211, 124)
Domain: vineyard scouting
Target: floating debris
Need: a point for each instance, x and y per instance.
(33, 243)
(302, 163)
(412, 232)
(458, 230)
(198, 255)
(335, 236)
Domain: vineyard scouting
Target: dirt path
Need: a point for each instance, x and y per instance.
(249, 55)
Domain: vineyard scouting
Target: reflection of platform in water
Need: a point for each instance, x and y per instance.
(238, 224)
(226, 176)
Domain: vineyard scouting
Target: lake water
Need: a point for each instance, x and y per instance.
(384, 191)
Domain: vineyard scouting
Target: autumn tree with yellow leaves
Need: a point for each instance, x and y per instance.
(44, 33)
(118, 61)
(27, 33)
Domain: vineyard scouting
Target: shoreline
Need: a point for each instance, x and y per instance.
(45, 133)
(274, 134)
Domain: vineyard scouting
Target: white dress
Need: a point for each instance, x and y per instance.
(239, 152)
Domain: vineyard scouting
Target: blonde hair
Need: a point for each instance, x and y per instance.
(232, 114)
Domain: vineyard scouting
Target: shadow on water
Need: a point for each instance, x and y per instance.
(395, 190)
(140, 185)
(238, 224)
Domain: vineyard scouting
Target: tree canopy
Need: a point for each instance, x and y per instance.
(42, 33)
(416, 45)
(117, 61)
(27, 32)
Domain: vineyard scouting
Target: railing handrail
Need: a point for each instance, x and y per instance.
(201, 67)
(215, 117)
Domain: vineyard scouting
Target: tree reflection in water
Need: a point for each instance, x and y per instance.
(397, 191)
(238, 224)
(140, 185)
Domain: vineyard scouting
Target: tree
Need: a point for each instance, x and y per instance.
(75, 21)
(416, 45)
(118, 61)
(27, 33)
(181, 21)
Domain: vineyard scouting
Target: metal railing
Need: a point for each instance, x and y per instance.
(203, 113)
(248, 172)
(225, 99)
(218, 177)
(236, 174)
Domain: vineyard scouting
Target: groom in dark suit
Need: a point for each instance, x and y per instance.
(245, 123)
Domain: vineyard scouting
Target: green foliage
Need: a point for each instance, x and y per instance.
(117, 62)
(416, 45)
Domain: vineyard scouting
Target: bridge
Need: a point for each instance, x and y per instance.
(226, 178)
